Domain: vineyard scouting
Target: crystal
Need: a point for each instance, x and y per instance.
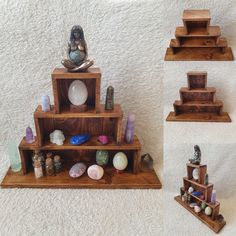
(79, 139)
(57, 137)
(29, 135)
(109, 105)
(213, 196)
(102, 157)
(129, 130)
(45, 102)
(13, 155)
(103, 139)
(77, 93)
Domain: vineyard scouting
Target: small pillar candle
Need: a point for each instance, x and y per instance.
(129, 130)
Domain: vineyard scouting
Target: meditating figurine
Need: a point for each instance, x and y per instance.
(197, 156)
(77, 51)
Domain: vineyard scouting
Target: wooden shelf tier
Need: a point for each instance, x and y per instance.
(197, 40)
(102, 122)
(216, 225)
(198, 102)
(110, 180)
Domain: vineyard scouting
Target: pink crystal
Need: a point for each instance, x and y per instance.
(29, 135)
(103, 139)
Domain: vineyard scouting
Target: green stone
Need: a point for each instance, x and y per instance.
(102, 157)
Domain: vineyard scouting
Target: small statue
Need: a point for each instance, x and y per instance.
(109, 105)
(57, 163)
(49, 167)
(45, 102)
(197, 156)
(29, 135)
(129, 130)
(57, 137)
(146, 162)
(77, 51)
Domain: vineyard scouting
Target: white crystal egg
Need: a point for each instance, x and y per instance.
(208, 211)
(77, 93)
(195, 174)
(120, 161)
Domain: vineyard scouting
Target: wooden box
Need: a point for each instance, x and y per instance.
(61, 80)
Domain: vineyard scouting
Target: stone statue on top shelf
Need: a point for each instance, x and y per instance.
(77, 51)
(197, 156)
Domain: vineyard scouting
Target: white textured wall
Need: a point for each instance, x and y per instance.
(124, 38)
(216, 140)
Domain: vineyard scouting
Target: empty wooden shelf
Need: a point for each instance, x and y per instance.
(197, 40)
(198, 102)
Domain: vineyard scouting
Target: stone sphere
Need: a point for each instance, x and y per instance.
(102, 157)
(120, 161)
(95, 172)
(77, 93)
(208, 211)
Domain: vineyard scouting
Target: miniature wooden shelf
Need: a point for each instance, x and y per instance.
(110, 180)
(61, 80)
(91, 119)
(197, 41)
(214, 221)
(198, 102)
(216, 225)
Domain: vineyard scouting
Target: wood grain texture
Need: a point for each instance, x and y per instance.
(199, 117)
(198, 15)
(216, 225)
(199, 54)
(110, 180)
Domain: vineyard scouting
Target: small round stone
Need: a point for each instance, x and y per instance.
(120, 161)
(193, 204)
(102, 157)
(95, 172)
(77, 170)
(190, 189)
(197, 209)
(208, 211)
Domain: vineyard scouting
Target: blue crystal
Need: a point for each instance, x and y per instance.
(197, 194)
(79, 139)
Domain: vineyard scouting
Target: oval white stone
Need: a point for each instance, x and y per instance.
(95, 172)
(208, 211)
(195, 174)
(77, 93)
(120, 161)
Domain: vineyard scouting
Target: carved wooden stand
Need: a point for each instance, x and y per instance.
(198, 102)
(95, 121)
(215, 221)
(197, 40)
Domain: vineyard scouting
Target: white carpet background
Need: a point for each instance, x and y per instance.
(216, 140)
(124, 38)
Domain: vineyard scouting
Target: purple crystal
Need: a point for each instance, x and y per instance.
(129, 130)
(213, 197)
(29, 135)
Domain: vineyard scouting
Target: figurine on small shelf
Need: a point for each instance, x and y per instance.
(57, 137)
(29, 135)
(109, 105)
(77, 51)
(197, 156)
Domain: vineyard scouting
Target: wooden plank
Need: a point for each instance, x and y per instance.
(110, 180)
(216, 225)
(213, 31)
(199, 117)
(92, 144)
(199, 54)
(116, 112)
(196, 15)
(62, 73)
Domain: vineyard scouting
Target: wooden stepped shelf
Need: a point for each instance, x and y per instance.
(110, 180)
(215, 221)
(197, 40)
(91, 119)
(197, 102)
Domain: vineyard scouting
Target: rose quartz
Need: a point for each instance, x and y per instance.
(95, 172)
(103, 139)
